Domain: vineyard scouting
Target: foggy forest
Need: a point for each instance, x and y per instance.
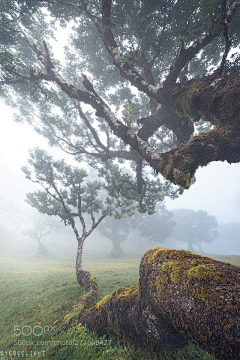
(119, 190)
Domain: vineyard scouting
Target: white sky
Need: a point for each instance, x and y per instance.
(17, 139)
(216, 190)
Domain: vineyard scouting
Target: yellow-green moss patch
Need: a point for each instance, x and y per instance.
(103, 301)
(119, 294)
(161, 282)
(73, 314)
(126, 295)
(153, 253)
(174, 269)
(203, 273)
(93, 279)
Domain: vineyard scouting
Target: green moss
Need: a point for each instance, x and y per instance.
(161, 282)
(126, 295)
(119, 294)
(203, 273)
(174, 270)
(171, 271)
(186, 99)
(119, 291)
(153, 253)
(103, 301)
(194, 262)
(181, 254)
(177, 269)
(72, 315)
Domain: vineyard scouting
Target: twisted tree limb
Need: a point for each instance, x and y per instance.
(214, 98)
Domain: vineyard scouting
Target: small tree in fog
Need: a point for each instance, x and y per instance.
(68, 195)
(42, 226)
(156, 227)
(194, 227)
(116, 231)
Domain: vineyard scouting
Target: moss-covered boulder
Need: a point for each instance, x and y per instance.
(198, 295)
(181, 297)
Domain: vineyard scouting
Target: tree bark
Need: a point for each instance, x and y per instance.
(42, 251)
(117, 251)
(181, 297)
(85, 279)
(79, 261)
(214, 98)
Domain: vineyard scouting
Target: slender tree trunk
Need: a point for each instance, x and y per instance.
(85, 279)
(42, 250)
(79, 261)
(200, 249)
(190, 247)
(117, 251)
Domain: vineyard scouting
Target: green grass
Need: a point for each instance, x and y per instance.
(37, 295)
(232, 259)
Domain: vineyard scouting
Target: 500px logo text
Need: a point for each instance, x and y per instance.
(36, 330)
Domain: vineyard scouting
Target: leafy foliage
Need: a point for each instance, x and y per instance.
(194, 227)
(66, 193)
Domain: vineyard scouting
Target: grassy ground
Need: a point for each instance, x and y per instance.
(35, 296)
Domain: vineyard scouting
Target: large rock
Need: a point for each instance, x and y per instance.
(181, 297)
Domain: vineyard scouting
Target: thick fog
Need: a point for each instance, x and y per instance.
(215, 191)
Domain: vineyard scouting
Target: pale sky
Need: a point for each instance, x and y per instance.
(216, 190)
(17, 139)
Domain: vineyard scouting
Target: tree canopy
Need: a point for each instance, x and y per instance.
(154, 228)
(175, 54)
(42, 226)
(194, 227)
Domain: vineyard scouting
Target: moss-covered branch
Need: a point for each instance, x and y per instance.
(181, 297)
(212, 98)
(179, 165)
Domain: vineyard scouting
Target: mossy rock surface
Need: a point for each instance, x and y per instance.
(198, 295)
(181, 297)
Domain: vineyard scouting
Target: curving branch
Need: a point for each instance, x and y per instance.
(171, 164)
(185, 55)
(111, 47)
(180, 126)
(207, 98)
(89, 126)
(179, 165)
(148, 74)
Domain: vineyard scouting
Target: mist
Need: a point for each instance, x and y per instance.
(119, 187)
(215, 191)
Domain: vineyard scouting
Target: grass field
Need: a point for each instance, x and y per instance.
(35, 296)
